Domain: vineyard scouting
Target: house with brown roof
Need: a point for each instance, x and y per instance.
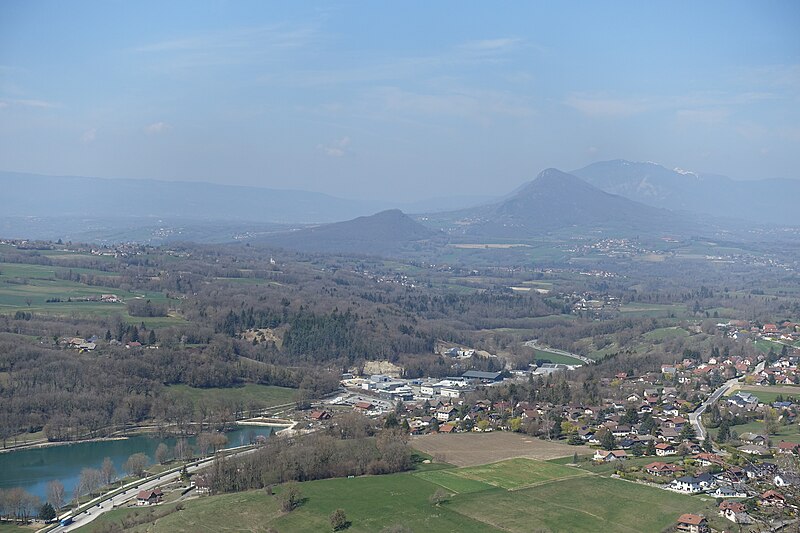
(708, 459)
(149, 497)
(665, 448)
(659, 468)
(787, 447)
(772, 498)
(734, 511)
(692, 523)
(607, 456)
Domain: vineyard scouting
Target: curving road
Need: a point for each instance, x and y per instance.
(535, 345)
(695, 417)
(103, 504)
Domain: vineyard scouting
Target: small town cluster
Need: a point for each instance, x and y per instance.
(713, 427)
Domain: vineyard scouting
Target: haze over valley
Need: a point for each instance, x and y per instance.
(425, 267)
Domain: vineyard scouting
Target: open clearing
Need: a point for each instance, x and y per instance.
(511, 475)
(471, 449)
(26, 287)
(767, 393)
(587, 504)
(557, 357)
(542, 497)
(251, 394)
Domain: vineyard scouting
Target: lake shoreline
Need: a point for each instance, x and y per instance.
(285, 425)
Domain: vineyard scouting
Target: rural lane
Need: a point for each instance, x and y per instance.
(106, 504)
(696, 417)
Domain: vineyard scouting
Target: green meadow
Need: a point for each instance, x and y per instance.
(517, 495)
(25, 287)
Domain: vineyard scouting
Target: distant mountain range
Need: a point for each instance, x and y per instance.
(558, 202)
(34, 195)
(611, 197)
(771, 201)
(554, 202)
(383, 233)
(64, 196)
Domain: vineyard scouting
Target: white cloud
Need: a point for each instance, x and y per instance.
(89, 136)
(35, 103)
(337, 148)
(157, 127)
(493, 45)
(237, 46)
(3, 104)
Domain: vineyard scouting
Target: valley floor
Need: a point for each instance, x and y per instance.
(515, 495)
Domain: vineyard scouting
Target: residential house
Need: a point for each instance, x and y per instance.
(787, 447)
(728, 492)
(772, 498)
(734, 511)
(760, 470)
(693, 484)
(659, 468)
(607, 456)
(149, 497)
(692, 523)
(708, 459)
(744, 400)
(753, 449)
(446, 413)
(732, 474)
(753, 438)
(665, 448)
(786, 479)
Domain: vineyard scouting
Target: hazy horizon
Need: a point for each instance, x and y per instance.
(369, 102)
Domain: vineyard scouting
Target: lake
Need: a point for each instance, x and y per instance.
(33, 468)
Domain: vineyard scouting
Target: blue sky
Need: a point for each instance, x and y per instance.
(402, 100)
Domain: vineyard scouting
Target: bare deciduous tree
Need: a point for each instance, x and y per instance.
(108, 471)
(136, 464)
(56, 494)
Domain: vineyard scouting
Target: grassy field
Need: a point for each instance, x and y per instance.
(765, 345)
(25, 287)
(519, 495)
(654, 310)
(556, 358)
(665, 333)
(511, 475)
(788, 433)
(768, 394)
(587, 504)
(371, 503)
(475, 449)
(249, 394)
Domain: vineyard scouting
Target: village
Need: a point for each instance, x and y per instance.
(675, 429)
